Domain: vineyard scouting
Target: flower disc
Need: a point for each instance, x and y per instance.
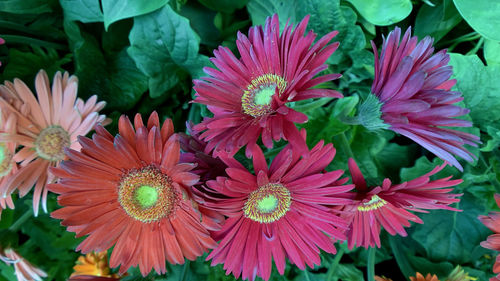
(268, 203)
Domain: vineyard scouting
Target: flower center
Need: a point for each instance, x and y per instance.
(256, 99)
(147, 194)
(374, 203)
(51, 142)
(5, 160)
(268, 203)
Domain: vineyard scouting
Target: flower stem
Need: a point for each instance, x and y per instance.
(334, 265)
(371, 264)
(15, 226)
(184, 271)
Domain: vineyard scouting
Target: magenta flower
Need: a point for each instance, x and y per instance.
(492, 221)
(279, 212)
(248, 96)
(413, 86)
(387, 205)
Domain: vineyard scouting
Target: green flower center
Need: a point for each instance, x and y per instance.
(51, 142)
(147, 194)
(256, 99)
(268, 203)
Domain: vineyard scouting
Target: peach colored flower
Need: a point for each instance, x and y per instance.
(7, 165)
(24, 270)
(46, 125)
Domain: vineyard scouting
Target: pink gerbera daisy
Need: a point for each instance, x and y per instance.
(387, 205)
(45, 127)
(492, 221)
(132, 193)
(8, 166)
(23, 269)
(279, 212)
(249, 96)
(413, 86)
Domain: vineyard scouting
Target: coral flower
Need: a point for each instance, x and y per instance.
(283, 211)
(387, 205)
(94, 264)
(492, 221)
(8, 166)
(413, 86)
(45, 127)
(131, 192)
(249, 96)
(420, 277)
(24, 270)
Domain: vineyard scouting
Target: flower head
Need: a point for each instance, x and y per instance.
(24, 270)
(420, 277)
(93, 264)
(387, 205)
(131, 192)
(413, 86)
(8, 166)
(249, 96)
(279, 212)
(492, 221)
(44, 128)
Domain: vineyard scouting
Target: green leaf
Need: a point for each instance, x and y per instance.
(112, 77)
(452, 236)
(424, 266)
(494, 142)
(26, 64)
(162, 45)
(436, 21)
(82, 10)
(492, 52)
(225, 6)
(480, 87)
(26, 6)
(115, 10)
(482, 16)
(423, 166)
(259, 10)
(383, 12)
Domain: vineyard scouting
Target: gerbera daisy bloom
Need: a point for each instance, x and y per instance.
(8, 166)
(45, 127)
(492, 221)
(420, 277)
(131, 192)
(93, 264)
(383, 278)
(279, 212)
(24, 270)
(92, 278)
(387, 205)
(249, 96)
(413, 87)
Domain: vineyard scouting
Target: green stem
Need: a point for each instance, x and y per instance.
(334, 265)
(184, 271)
(17, 27)
(15, 226)
(32, 41)
(476, 48)
(345, 145)
(371, 264)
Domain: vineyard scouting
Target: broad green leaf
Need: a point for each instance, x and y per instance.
(393, 157)
(424, 266)
(112, 77)
(423, 166)
(480, 87)
(452, 236)
(491, 52)
(383, 12)
(259, 10)
(26, 6)
(82, 10)
(225, 6)
(162, 44)
(494, 142)
(436, 21)
(115, 10)
(482, 16)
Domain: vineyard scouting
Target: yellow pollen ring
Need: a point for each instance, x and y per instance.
(51, 142)
(374, 203)
(147, 194)
(268, 203)
(256, 99)
(5, 160)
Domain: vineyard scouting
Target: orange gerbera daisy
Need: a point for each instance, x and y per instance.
(93, 264)
(45, 126)
(24, 270)
(420, 277)
(132, 192)
(383, 278)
